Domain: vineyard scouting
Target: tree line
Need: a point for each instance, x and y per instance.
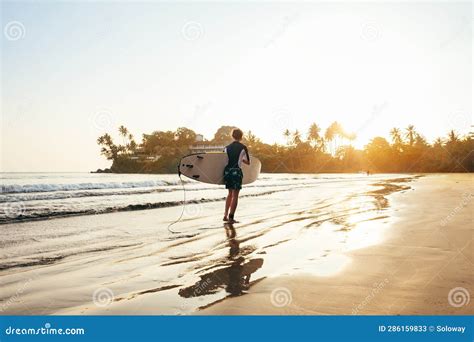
(313, 151)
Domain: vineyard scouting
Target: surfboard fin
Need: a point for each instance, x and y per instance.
(196, 176)
(200, 157)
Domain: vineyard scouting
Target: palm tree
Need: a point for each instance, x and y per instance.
(334, 131)
(296, 137)
(396, 136)
(338, 131)
(329, 135)
(438, 142)
(131, 145)
(344, 135)
(410, 134)
(251, 139)
(452, 136)
(109, 149)
(313, 134)
(287, 135)
(123, 131)
(397, 140)
(420, 141)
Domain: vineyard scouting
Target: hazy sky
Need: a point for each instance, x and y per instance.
(73, 70)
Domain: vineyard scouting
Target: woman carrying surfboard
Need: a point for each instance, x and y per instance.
(237, 154)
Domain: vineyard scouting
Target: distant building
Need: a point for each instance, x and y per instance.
(201, 148)
(140, 152)
(141, 155)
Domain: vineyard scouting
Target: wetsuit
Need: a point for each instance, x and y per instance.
(233, 175)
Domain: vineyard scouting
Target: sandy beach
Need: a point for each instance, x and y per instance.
(427, 253)
(380, 244)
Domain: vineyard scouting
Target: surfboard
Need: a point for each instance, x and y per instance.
(209, 168)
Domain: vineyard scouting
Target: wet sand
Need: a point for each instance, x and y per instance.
(423, 266)
(384, 244)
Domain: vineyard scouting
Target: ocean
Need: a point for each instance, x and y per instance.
(33, 196)
(68, 236)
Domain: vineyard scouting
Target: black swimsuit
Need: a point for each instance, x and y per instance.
(233, 173)
(234, 152)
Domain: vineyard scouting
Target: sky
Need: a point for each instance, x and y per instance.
(71, 71)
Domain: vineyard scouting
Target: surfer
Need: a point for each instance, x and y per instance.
(237, 154)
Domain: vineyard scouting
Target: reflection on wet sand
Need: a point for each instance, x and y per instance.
(235, 277)
(381, 202)
(298, 231)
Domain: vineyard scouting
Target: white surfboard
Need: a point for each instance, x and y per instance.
(209, 168)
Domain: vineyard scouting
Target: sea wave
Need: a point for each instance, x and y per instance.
(24, 197)
(150, 184)
(45, 187)
(35, 214)
(104, 192)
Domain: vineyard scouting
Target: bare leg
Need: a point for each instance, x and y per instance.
(227, 203)
(234, 202)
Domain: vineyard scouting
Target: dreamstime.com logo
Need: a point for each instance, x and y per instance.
(193, 210)
(14, 30)
(459, 120)
(287, 21)
(17, 296)
(370, 32)
(192, 30)
(280, 297)
(46, 330)
(376, 288)
(103, 119)
(466, 198)
(377, 110)
(102, 297)
(458, 297)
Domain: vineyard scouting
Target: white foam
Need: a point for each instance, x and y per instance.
(45, 187)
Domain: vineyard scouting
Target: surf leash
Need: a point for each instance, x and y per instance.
(184, 203)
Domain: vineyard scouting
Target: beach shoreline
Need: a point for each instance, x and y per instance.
(339, 246)
(424, 265)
